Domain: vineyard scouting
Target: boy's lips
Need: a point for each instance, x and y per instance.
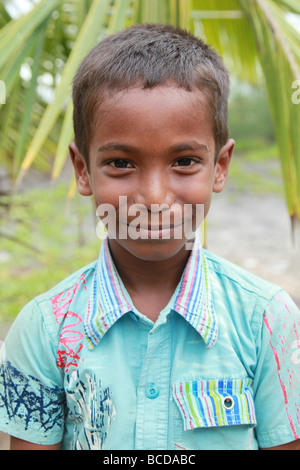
(154, 232)
(148, 231)
(153, 227)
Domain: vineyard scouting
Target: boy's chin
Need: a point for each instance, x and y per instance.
(154, 250)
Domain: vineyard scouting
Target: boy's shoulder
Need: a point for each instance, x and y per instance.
(237, 278)
(56, 316)
(74, 282)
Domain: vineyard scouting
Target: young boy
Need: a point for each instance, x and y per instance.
(155, 345)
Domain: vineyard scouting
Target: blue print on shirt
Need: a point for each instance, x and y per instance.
(27, 401)
(90, 408)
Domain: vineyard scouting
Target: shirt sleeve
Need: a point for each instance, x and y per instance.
(31, 386)
(277, 377)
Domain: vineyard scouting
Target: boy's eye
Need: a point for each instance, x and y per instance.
(120, 164)
(185, 161)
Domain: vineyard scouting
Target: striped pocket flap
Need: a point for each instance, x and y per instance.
(210, 403)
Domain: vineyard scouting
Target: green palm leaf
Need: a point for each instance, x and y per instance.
(87, 37)
(281, 68)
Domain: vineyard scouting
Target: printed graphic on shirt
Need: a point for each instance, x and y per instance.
(91, 409)
(285, 356)
(70, 343)
(28, 401)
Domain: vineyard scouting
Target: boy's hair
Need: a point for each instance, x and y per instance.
(147, 56)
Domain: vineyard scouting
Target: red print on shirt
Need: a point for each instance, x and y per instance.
(64, 309)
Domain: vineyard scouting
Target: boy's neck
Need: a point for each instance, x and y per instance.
(150, 284)
(145, 277)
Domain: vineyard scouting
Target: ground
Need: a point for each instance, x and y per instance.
(254, 232)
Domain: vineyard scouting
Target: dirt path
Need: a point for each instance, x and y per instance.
(254, 232)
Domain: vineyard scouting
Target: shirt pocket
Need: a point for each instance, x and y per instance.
(215, 402)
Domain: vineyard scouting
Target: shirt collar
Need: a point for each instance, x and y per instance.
(192, 299)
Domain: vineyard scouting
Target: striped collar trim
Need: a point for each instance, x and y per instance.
(192, 299)
(108, 299)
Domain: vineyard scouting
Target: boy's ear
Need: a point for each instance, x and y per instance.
(81, 172)
(222, 166)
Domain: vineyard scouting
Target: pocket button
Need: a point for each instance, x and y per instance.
(228, 403)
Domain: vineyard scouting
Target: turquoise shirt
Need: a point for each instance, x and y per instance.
(219, 369)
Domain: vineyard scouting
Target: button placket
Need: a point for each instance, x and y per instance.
(153, 392)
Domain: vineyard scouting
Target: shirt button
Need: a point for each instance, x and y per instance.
(152, 391)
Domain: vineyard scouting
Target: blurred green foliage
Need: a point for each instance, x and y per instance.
(249, 117)
(60, 238)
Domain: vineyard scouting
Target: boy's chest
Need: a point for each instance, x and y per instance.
(158, 389)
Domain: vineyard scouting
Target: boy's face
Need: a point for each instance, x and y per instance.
(156, 148)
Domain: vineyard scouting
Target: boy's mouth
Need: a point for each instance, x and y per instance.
(154, 231)
(152, 227)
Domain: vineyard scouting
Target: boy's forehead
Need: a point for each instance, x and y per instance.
(170, 116)
(159, 100)
(164, 93)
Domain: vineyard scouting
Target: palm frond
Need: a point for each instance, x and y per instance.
(281, 67)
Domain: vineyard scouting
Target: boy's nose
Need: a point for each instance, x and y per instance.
(153, 191)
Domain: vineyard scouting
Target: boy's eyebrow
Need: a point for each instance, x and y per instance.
(191, 145)
(115, 146)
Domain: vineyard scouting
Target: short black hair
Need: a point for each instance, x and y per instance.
(148, 55)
